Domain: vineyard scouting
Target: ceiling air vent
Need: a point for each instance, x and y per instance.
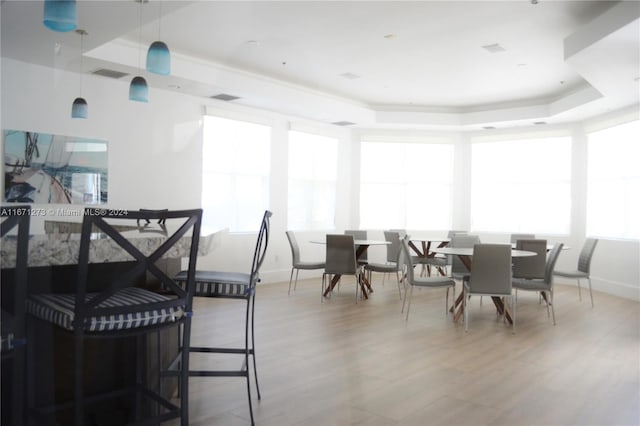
(539, 123)
(225, 97)
(488, 127)
(343, 123)
(494, 48)
(104, 72)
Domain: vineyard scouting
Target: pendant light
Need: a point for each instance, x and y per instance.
(138, 89)
(80, 108)
(158, 55)
(60, 15)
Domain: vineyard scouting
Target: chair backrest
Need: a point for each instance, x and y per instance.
(551, 263)
(295, 249)
(177, 230)
(393, 249)
(406, 259)
(461, 241)
(340, 254)
(491, 269)
(530, 267)
(453, 232)
(358, 235)
(401, 232)
(16, 217)
(516, 237)
(261, 248)
(584, 261)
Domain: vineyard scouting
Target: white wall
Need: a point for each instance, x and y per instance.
(155, 162)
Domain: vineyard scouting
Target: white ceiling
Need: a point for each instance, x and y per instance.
(375, 63)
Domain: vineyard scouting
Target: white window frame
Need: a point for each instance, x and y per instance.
(407, 185)
(613, 182)
(235, 185)
(521, 184)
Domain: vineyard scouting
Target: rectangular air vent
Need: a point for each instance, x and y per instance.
(104, 72)
(494, 48)
(225, 97)
(343, 123)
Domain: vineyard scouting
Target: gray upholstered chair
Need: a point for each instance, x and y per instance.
(392, 265)
(411, 280)
(530, 267)
(516, 237)
(340, 260)
(359, 235)
(544, 285)
(296, 263)
(584, 266)
(490, 275)
(458, 268)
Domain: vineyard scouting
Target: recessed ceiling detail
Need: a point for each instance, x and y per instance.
(494, 48)
(343, 123)
(350, 76)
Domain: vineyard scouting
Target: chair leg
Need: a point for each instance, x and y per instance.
(465, 307)
(553, 312)
(78, 364)
(579, 290)
(253, 348)
(295, 282)
(513, 316)
(409, 303)
(246, 359)
(290, 280)
(590, 291)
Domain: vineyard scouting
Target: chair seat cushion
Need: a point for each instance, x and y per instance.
(433, 282)
(534, 285)
(381, 267)
(218, 284)
(571, 274)
(59, 309)
(309, 265)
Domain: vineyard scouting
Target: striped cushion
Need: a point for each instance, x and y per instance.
(59, 309)
(218, 284)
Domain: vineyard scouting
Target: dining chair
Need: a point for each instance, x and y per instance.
(530, 267)
(458, 268)
(359, 235)
(14, 232)
(515, 237)
(239, 287)
(296, 263)
(490, 275)
(542, 285)
(442, 263)
(392, 265)
(584, 266)
(411, 280)
(123, 308)
(340, 260)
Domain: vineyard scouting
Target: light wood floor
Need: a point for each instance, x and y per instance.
(342, 363)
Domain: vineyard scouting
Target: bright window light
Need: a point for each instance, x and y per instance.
(613, 183)
(313, 163)
(406, 185)
(521, 186)
(235, 173)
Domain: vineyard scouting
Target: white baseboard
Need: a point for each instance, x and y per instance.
(614, 288)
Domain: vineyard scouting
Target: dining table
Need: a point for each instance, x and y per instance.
(465, 254)
(361, 247)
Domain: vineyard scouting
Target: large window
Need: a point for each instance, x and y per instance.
(406, 185)
(613, 184)
(235, 173)
(313, 163)
(521, 186)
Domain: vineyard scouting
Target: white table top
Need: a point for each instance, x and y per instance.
(463, 251)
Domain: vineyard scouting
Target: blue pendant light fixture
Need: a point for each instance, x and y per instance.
(60, 15)
(138, 89)
(80, 108)
(158, 56)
